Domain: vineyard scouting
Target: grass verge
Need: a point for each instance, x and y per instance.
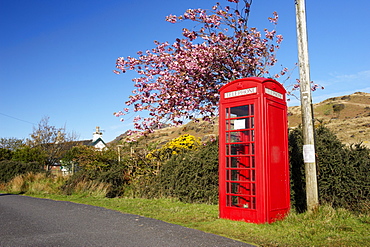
(326, 227)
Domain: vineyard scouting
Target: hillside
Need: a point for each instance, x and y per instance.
(348, 116)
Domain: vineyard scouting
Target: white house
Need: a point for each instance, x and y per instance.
(97, 140)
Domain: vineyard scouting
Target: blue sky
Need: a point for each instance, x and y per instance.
(57, 57)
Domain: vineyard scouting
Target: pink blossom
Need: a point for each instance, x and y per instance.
(180, 81)
(171, 18)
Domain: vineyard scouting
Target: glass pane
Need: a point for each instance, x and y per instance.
(240, 149)
(245, 175)
(240, 111)
(241, 202)
(232, 175)
(238, 162)
(235, 149)
(234, 162)
(238, 136)
(237, 124)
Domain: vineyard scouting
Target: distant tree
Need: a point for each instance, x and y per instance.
(53, 141)
(180, 81)
(27, 154)
(89, 158)
(11, 143)
(5, 154)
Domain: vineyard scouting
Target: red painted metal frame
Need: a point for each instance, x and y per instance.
(253, 151)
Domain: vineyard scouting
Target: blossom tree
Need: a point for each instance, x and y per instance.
(180, 81)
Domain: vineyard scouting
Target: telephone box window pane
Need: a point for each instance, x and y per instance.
(234, 188)
(234, 162)
(236, 149)
(241, 202)
(227, 161)
(244, 175)
(237, 124)
(240, 189)
(237, 162)
(239, 136)
(240, 111)
(231, 162)
(247, 162)
(233, 137)
(242, 161)
(232, 175)
(247, 123)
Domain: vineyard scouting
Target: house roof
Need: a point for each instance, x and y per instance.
(90, 142)
(96, 142)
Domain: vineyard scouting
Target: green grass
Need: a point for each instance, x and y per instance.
(326, 227)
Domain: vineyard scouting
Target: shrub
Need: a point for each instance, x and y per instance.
(10, 168)
(89, 158)
(191, 176)
(5, 154)
(112, 181)
(176, 146)
(297, 173)
(27, 154)
(342, 172)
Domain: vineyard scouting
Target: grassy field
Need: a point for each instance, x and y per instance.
(326, 227)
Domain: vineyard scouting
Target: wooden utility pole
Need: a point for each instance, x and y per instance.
(306, 108)
(119, 153)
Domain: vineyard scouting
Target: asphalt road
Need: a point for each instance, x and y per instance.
(27, 221)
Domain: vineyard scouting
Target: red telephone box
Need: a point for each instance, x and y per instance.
(253, 151)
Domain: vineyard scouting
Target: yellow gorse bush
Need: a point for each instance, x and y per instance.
(175, 146)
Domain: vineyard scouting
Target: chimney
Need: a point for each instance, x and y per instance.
(59, 138)
(97, 134)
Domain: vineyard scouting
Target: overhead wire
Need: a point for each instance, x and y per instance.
(6, 115)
